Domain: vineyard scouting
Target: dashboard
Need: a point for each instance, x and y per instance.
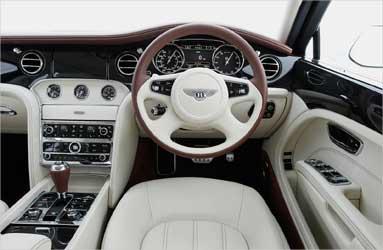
(25, 64)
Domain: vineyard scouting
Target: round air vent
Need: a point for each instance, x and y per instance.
(126, 64)
(271, 65)
(32, 62)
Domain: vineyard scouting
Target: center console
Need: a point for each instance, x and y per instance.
(80, 143)
(52, 216)
(72, 145)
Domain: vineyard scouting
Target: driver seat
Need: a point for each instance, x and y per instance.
(192, 213)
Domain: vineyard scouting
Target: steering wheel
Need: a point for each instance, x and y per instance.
(198, 98)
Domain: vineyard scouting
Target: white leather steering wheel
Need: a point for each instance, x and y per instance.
(199, 97)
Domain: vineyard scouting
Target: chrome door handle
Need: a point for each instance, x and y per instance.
(7, 111)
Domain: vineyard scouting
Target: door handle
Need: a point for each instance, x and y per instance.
(7, 111)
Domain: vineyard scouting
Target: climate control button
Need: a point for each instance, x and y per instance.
(48, 130)
(103, 131)
(102, 157)
(75, 147)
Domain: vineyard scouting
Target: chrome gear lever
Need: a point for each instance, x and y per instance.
(60, 173)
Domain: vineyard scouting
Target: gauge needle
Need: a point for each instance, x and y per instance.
(170, 58)
(228, 59)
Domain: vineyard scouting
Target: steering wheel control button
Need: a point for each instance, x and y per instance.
(270, 109)
(237, 89)
(75, 147)
(158, 110)
(162, 86)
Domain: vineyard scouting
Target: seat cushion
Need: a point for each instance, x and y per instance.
(191, 235)
(180, 213)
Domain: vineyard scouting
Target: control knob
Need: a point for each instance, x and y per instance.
(102, 157)
(75, 147)
(103, 131)
(48, 129)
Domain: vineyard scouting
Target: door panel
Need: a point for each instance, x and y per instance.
(321, 87)
(340, 215)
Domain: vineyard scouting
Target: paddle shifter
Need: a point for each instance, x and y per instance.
(60, 173)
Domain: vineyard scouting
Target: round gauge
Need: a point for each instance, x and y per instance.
(53, 91)
(108, 92)
(81, 91)
(227, 60)
(169, 59)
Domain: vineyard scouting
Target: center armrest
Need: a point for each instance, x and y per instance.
(24, 241)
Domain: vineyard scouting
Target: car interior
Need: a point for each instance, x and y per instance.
(190, 136)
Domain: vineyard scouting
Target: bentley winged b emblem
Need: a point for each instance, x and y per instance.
(200, 94)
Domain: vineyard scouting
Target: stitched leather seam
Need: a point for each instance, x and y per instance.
(150, 204)
(163, 236)
(240, 208)
(193, 245)
(196, 226)
(166, 236)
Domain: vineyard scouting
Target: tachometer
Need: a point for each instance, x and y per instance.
(169, 59)
(227, 60)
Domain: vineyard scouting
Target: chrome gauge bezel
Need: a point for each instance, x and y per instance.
(107, 97)
(240, 54)
(81, 97)
(174, 71)
(50, 87)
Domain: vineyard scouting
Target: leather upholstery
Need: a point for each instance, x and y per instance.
(192, 213)
(18, 241)
(3, 207)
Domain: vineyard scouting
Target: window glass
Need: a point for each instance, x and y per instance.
(352, 39)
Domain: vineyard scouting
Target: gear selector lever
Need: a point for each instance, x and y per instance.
(60, 173)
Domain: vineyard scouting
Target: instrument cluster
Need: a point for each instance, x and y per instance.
(187, 53)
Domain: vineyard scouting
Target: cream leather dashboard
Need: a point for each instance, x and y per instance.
(94, 107)
(89, 103)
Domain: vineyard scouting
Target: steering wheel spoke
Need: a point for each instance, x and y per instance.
(232, 128)
(166, 124)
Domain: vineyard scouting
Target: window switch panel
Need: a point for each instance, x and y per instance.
(328, 172)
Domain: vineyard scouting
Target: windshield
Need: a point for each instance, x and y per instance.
(269, 18)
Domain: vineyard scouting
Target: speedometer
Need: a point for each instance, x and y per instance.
(227, 60)
(169, 59)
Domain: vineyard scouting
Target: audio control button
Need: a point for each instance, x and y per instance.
(48, 130)
(75, 147)
(103, 131)
(47, 156)
(102, 157)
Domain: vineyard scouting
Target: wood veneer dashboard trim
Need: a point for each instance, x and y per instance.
(133, 37)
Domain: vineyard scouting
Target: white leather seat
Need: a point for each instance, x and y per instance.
(192, 213)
